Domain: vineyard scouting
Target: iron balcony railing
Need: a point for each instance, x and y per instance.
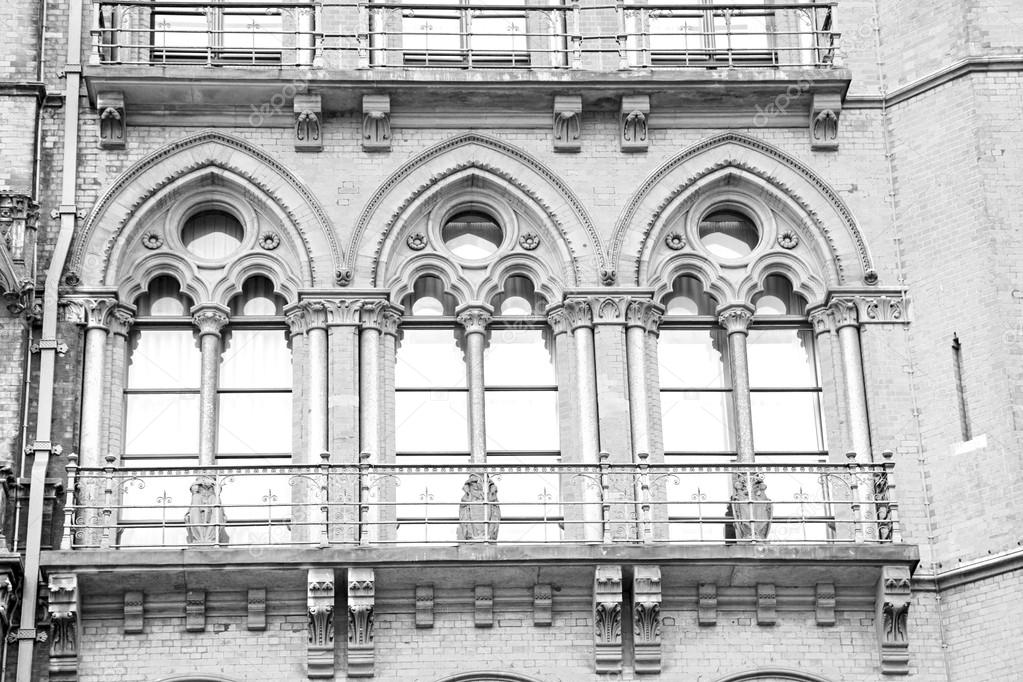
(364, 504)
(466, 34)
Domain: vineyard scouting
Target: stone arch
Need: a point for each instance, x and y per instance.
(816, 209)
(502, 165)
(772, 675)
(213, 160)
(488, 676)
(197, 678)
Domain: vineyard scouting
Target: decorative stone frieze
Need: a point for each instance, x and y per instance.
(824, 116)
(568, 111)
(894, 595)
(543, 604)
(210, 319)
(376, 122)
(633, 123)
(707, 604)
(361, 600)
(767, 604)
(424, 606)
(113, 127)
(256, 609)
(607, 614)
(646, 614)
(824, 604)
(475, 318)
(134, 613)
(63, 608)
(320, 606)
(483, 602)
(736, 318)
(195, 610)
(19, 215)
(308, 122)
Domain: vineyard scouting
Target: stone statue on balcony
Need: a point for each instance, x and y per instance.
(752, 511)
(479, 515)
(204, 520)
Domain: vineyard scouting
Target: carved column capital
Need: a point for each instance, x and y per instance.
(557, 318)
(578, 313)
(391, 319)
(361, 602)
(122, 317)
(320, 604)
(475, 317)
(372, 314)
(306, 315)
(643, 312)
(736, 318)
(820, 318)
(210, 318)
(844, 312)
(92, 312)
(64, 636)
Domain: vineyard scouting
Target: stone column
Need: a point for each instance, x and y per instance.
(736, 319)
(95, 314)
(642, 319)
(313, 323)
(475, 318)
(369, 379)
(120, 327)
(210, 318)
(579, 314)
(343, 317)
(846, 318)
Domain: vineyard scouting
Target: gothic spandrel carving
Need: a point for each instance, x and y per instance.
(376, 122)
(647, 619)
(63, 609)
(894, 595)
(568, 111)
(113, 127)
(205, 523)
(751, 509)
(320, 607)
(607, 614)
(361, 602)
(308, 123)
(633, 123)
(479, 513)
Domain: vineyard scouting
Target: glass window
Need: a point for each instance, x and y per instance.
(729, 234)
(472, 235)
(217, 34)
(212, 234)
(722, 31)
(459, 36)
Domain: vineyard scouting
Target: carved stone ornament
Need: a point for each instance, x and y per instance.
(529, 241)
(308, 110)
(19, 215)
(750, 507)
(608, 277)
(607, 615)
(256, 609)
(195, 610)
(152, 240)
(707, 604)
(63, 609)
(113, 129)
(736, 319)
(134, 612)
(844, 312)
(824, 118)
(479, 515)
(894, 595)
(210, 320)
(767, 604)
(6, 595)
(824, 604)
(416, 241)
(320, 605)
(788, 239)
(632, 127)
(204, 521)
(568, 111)
(361, 599)
(675, 241)
(647, 619)
(376, 122)
(543, 604)
(424, 606)
(475, 319)
(343, 277)
(643, 312)
(483, 601)
(268, 241)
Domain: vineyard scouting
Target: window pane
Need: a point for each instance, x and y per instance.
(429, 358)
(698, 502)
(431, 421)
(693, 358)
(522, 420)
(162, 425)
(781, 358)
(180, 30)
(255, 358)
(518, 357)
(697, 421)
(787, 422)
(254, 423)
(164, 358)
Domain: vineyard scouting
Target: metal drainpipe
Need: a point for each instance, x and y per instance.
(42, 446)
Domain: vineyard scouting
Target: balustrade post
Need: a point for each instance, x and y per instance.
(605, 495)
(577, 36)
(325, 498)
(364, 518)
(854, 496)
(622, 37)
(645, 514)
(362, 36)
(108, 500)
(67, 538)
(890, 501)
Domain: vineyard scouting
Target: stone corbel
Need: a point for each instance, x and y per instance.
(113, 126)
(195, 611)
(825, 604)
(894, 595)
(543, 604)
(19, 217)
(134, 613)
(483, 600)
(767, 604)
(361, 599)
(824, 116)
(376, 123)
(607, 613)
(308, 123)
(633, 131)
(64, 630)
(568, 110)
(256, 609)
(424, 606)
(707, 604)
(647, 619)
(320, 605)
(7, 600)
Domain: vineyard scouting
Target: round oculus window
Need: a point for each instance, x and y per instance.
(729, 234)
(212, 234)
(472, 235)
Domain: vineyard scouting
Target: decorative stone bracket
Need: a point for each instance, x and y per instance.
(646, 611)
(256, 609)
(894, 595)
(308, 123)
(361, 598)
(320, 604)
(824, 116)
(568, 110)
(633, 129)
(707, 604)
(543, 604)
(195, 611)
(63, 608)
(767, 604)
(483, 598)
(825, 604)
(113, 126)
(376, 123)
(424, 606)
(607, 613)
(134, 613)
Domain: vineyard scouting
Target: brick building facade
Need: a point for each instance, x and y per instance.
(510, 342)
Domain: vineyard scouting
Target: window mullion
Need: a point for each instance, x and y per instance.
(475, 320)
(210, 319)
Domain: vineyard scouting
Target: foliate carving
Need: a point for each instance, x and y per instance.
(63, 610)
(751, 509)
(767, 604)
(607, 614)
(647, 618)
(675, 241)
(424, 606)
(578, 313)
(558, 320)
(361, 597)
(483, 601)
(529, 241)
(788, 239)
(824, 605)
(568, 111)
(820, 318)
(543, 604)
(372, 314)
(632, 127)
(308, 314)
(195, 610)
(88, 311)
(256, 609)
(268, 241)
(210, 319)
(844, 312)
(893, 601)
(609, 309)
(824, 117)
(134, 613)
(320, 606)
(343, 311)
(18, 214)
(736, 318)
(6, 598)
(376, 122)
(390, 319)
(113, 129)
(707, 604)
(204, 521)
(308, 114)
(475, 318)
(416, 241)
(644, 313)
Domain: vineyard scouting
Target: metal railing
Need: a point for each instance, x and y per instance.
(466, 35)
(366, 504)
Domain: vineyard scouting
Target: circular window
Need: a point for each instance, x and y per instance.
(729, 234)
(472, 235)
(212, 234)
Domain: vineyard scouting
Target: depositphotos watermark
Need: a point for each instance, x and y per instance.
(275, 105)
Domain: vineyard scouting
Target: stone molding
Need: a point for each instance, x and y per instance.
(255, 607)
(767, 604)
(195, 611)
(361, 603)
(707, 604)
(543, 604)
(824, 604)
(134, 612)
(607, 614)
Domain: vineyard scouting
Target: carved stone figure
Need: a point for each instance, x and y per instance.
(752, 510)
(479, 516)
(205, 517)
